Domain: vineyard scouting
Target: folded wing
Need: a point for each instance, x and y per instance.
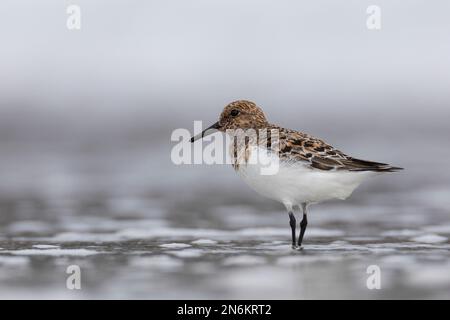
(297, 146)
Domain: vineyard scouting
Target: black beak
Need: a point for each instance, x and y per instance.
(207, 131)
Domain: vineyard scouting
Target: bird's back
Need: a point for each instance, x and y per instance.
(295, 146)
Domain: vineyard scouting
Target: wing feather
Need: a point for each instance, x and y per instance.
(298, 147)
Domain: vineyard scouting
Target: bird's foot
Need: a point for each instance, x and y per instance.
(297, 247)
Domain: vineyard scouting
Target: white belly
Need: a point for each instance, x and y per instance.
(296, 183)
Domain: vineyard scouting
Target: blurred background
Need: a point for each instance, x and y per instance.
(85, 123)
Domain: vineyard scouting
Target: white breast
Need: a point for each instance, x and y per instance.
(296, 183)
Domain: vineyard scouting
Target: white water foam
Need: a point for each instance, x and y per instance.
(54, 252)
(430, 238)
(175, 245)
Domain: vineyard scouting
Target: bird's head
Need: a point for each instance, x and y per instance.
(241, 114)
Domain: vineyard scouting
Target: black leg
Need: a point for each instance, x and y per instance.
(292, 223)
(303, 225)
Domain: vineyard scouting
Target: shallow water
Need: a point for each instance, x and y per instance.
(243, 263)
(198, 232)
(249, 256)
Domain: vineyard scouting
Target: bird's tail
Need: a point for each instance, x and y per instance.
(364, 165)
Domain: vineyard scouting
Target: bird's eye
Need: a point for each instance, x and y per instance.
(234, 112)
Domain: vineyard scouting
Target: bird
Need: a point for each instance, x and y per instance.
(309, 170)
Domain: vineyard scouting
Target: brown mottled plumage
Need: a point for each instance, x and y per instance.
(307, 170)
(294, 146)
(249, 116)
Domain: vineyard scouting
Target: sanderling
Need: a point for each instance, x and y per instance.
(310, 170)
